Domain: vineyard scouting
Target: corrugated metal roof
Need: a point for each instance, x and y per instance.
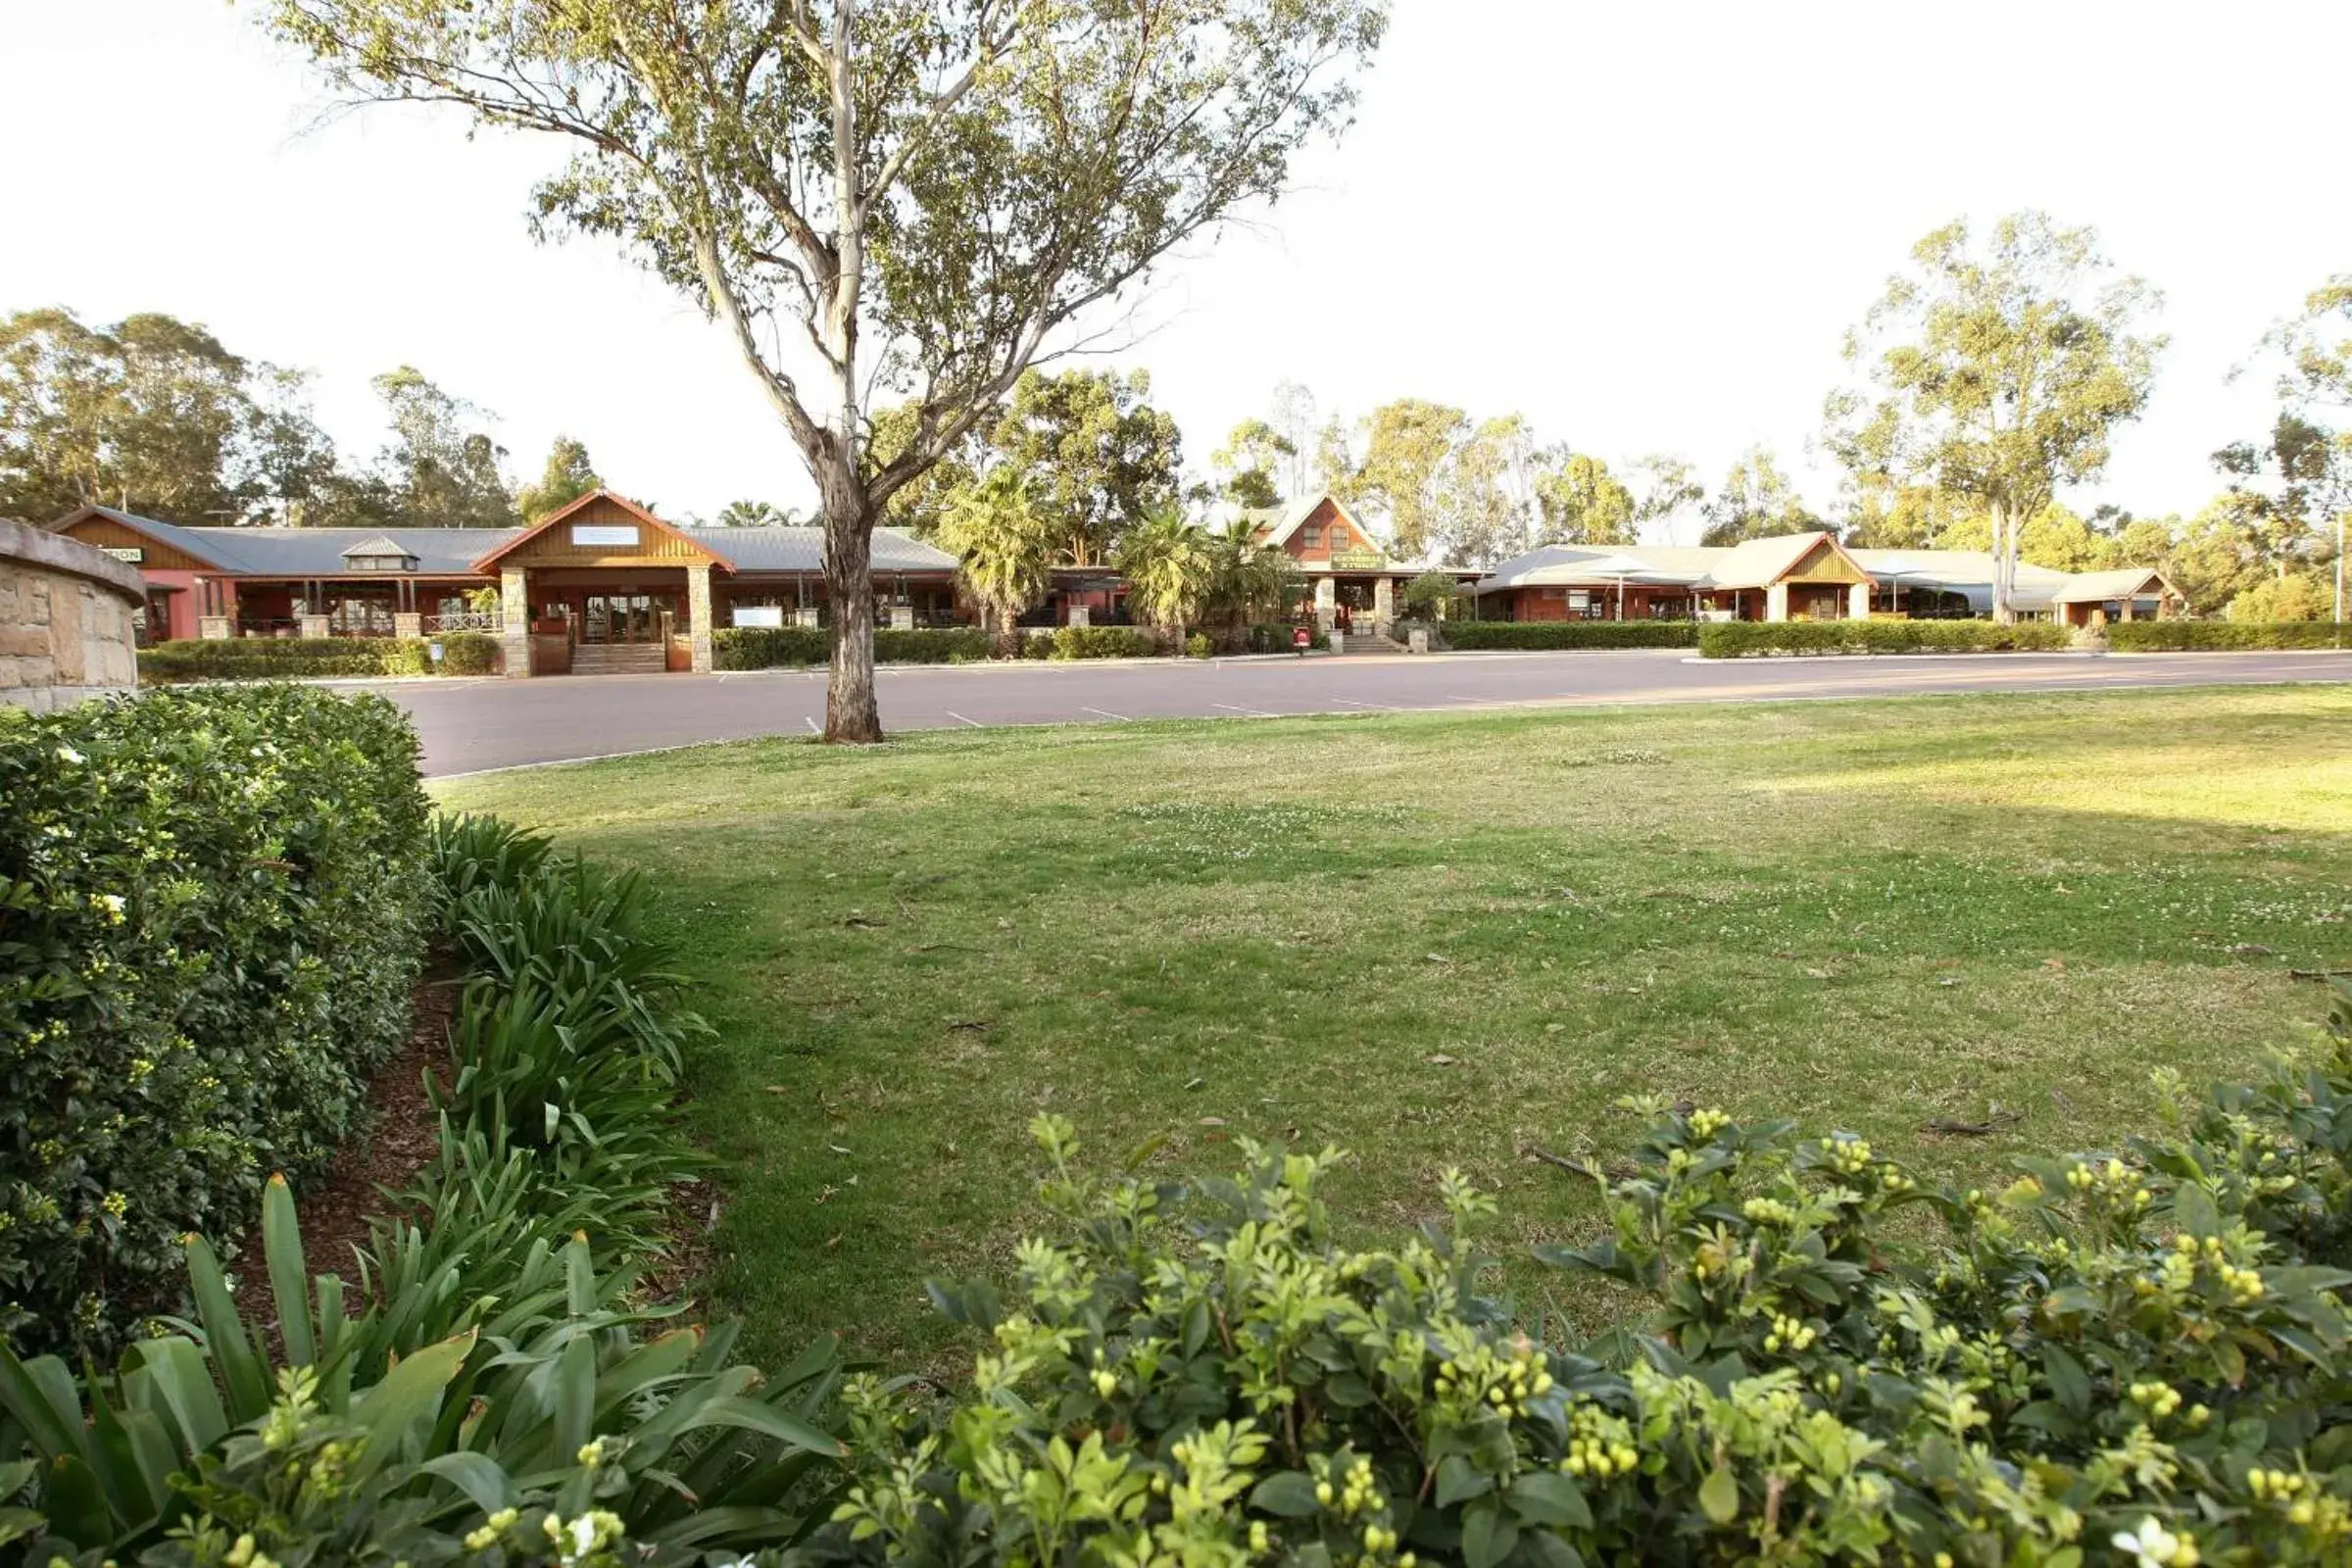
(451, 551)
(804, 549)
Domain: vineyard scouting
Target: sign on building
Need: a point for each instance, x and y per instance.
(130, 553)
(604, 533)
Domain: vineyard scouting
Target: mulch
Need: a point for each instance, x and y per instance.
(400, 1137)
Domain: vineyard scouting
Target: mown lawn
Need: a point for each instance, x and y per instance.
(1452, 939)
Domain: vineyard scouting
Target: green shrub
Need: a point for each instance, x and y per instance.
(282, 659)
(1559, 634)
(770, 647)
(932, 645)
(498, 1368)
(1199, 645)
(211, 908)
(1841, 1365)
(1736, 639)
(1033, 644)
(2206, 636)
(468, 653)
(1276, 637)
(1105, 642)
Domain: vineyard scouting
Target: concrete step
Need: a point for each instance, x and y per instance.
(618, 658)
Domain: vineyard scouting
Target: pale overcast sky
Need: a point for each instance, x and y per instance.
(1643, 225)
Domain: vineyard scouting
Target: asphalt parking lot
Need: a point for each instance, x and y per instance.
(476, 726)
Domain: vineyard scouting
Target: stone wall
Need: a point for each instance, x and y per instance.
(65, 620)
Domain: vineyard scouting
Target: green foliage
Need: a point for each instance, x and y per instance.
(570, 475)
(1557, 634)
(1199, 645)
(497, 1367)
(1737, 639)
(931, 645)
(211, 908)
(294, 657)
(1996, 373)
(2300, 596)
(1170, 564)
(1432, 594)
(767, 647)
(1279, 637)
(1093, 453)
(1757, 501)
(2147, 1348)
(2207, 636)
(1003, 544)
(770, 647)
(468, 653)
(1104, 642)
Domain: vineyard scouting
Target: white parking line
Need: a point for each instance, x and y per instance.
(811, 724)
(1103, 712)
(961, 719)
(1380, 707)
(1252, 713)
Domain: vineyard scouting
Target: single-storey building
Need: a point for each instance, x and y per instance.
(603, 584)
(1801, 576)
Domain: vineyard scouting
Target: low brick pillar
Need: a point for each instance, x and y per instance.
(68, 621)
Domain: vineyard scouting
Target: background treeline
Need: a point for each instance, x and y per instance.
(1993, 373)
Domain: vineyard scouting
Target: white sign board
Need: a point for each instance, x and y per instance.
(130, 553)
(758, 614)
(604, 533)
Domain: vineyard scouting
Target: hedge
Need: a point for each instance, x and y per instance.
(1737, 639)
(464, 653)
(1550, 635)
(211, 913)
(504, 1381)
(1105, 642)
(2209, 636)
(772, 647)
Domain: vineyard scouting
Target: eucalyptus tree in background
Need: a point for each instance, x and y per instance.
(1251, 459)
(1294, 420)
(923, 196)
(1580, 502)
(443, 469)
(1668, 489)
(1997, 374)
(568, 475)
(1097, 457)
(2310, 445)
(1004, 547)
(1407, 444)
(1756, 501)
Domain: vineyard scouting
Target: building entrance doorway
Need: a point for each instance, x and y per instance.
(613, 618)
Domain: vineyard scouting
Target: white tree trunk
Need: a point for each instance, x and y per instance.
(2004, 565)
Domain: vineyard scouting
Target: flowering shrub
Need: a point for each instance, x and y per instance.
(210, 914)
(2137, 1357)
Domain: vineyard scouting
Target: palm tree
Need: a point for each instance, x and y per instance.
(1247, 581)
(1005, 549)
(751, 515)
(1165, 560)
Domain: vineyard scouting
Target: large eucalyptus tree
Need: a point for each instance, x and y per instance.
(1997, 374)
(914, 197)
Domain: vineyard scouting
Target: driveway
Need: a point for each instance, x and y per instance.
(476, 726)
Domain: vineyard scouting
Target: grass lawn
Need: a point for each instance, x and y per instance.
(1450, 939)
